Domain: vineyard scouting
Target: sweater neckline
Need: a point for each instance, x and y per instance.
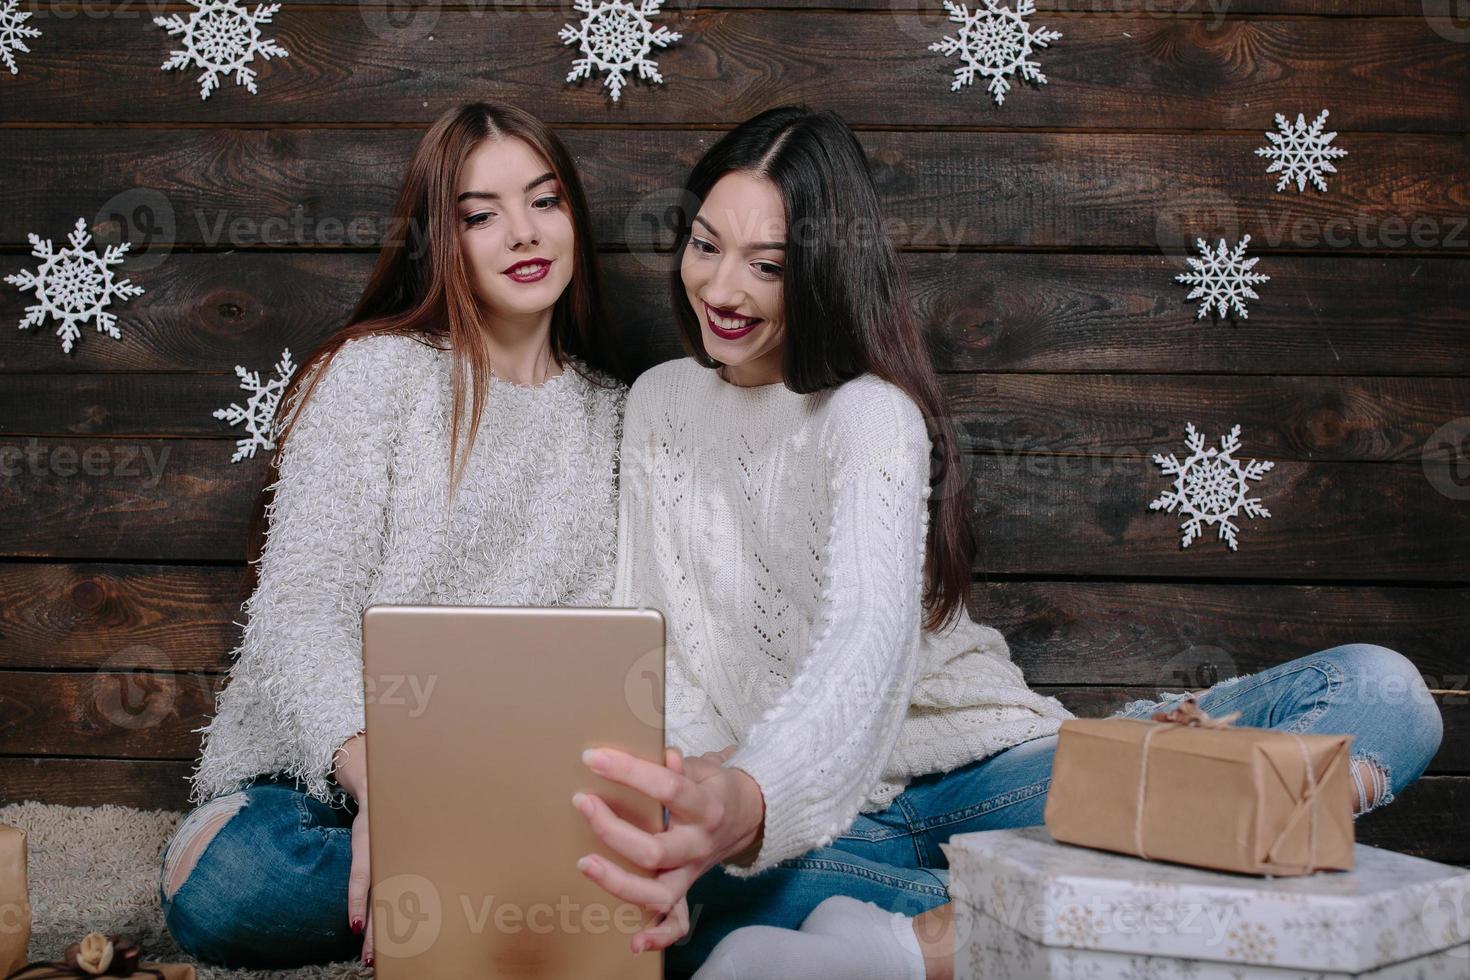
(774, 395)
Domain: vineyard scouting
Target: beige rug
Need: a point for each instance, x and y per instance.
(96, 868)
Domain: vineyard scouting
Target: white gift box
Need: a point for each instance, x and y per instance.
(1027, 906)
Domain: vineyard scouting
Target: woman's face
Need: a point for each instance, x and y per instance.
(514, 229)
(732, 269)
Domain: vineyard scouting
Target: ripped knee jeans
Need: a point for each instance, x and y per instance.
(269, 888)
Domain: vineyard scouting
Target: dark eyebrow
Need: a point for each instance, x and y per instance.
(488, 195)
(756, 247)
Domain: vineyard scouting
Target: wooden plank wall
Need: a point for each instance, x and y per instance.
(1042, 239)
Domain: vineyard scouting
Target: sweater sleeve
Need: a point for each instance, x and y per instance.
(818, 751)
(301, 652)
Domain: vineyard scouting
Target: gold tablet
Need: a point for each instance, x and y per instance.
(476, 722)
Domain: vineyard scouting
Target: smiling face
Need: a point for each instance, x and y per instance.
(515, 230)
(732, 268)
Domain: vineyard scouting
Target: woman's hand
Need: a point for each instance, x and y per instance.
(713, 812)
(351, 775)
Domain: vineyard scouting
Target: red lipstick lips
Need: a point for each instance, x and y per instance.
(529, 270)
(728, 333)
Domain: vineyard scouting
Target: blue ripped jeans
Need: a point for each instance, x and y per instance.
(893, 858)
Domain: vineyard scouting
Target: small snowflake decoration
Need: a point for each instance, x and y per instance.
(74, 285)
(1301, 152)
(617, 36)
(1223, 277)
(1210, 486)
(259, 413)
(221, 37)
(12, 29)
(994, 41)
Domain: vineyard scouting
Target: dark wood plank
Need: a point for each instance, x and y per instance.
(119, 617)
(145, 785)
(1089, 516)
(130, 713)
(243, 188)
(1151, 634)
(408, 11)
(1287, 418)
(1123, 71)
(1427, 820)
(154, 499)
(1025, 312)
(150, 499)
(1173, 636)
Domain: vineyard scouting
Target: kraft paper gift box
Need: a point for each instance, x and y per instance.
(1028, 907)
(15, 903)
(1199, 790)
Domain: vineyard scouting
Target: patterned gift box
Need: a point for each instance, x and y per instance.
(1028, 906)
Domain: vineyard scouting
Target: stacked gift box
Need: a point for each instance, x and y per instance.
(1029, 907)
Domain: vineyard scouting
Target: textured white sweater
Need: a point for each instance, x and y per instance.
(359, 517)
(783, 536)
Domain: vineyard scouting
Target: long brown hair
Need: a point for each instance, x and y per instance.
(420, 287)
(845, 302)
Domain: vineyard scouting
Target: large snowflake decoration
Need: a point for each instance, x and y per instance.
(617, 36)
(74, 285)
(221, 37)
(1223, 278)
(1210, 486)
(995, 42)
(1301, 152)
(12, 29)
(259, 412)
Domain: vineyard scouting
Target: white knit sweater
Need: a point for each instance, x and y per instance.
(359, 517)
(783, 536)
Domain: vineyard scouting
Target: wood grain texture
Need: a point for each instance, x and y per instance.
(1113, 70)
(1034, 313)
(234, 188)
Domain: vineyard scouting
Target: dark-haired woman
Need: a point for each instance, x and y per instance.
(487, 293)
(794, 502)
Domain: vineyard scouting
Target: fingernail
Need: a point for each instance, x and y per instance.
(579, 800)
(592, 757)
(585, 863)
(357, 926)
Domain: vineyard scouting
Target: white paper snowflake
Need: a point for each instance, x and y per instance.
(75, 285)
(1301, 152)
(1223, 278)
(994, 42)
(259, 412)
(617, 36)
(1210, 486)
(12, 29)
(221, 37)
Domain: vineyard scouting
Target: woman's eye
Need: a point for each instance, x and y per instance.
(768, 269)
(476, 219)
(551, 202)
(703, 246)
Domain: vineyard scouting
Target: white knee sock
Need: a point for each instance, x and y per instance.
(841, 939)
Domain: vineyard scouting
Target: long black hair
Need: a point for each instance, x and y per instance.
(845, 303)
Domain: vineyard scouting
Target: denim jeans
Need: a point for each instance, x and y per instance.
(270, 889)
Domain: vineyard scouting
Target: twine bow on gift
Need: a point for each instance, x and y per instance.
(1188, 714)
(95, 955)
